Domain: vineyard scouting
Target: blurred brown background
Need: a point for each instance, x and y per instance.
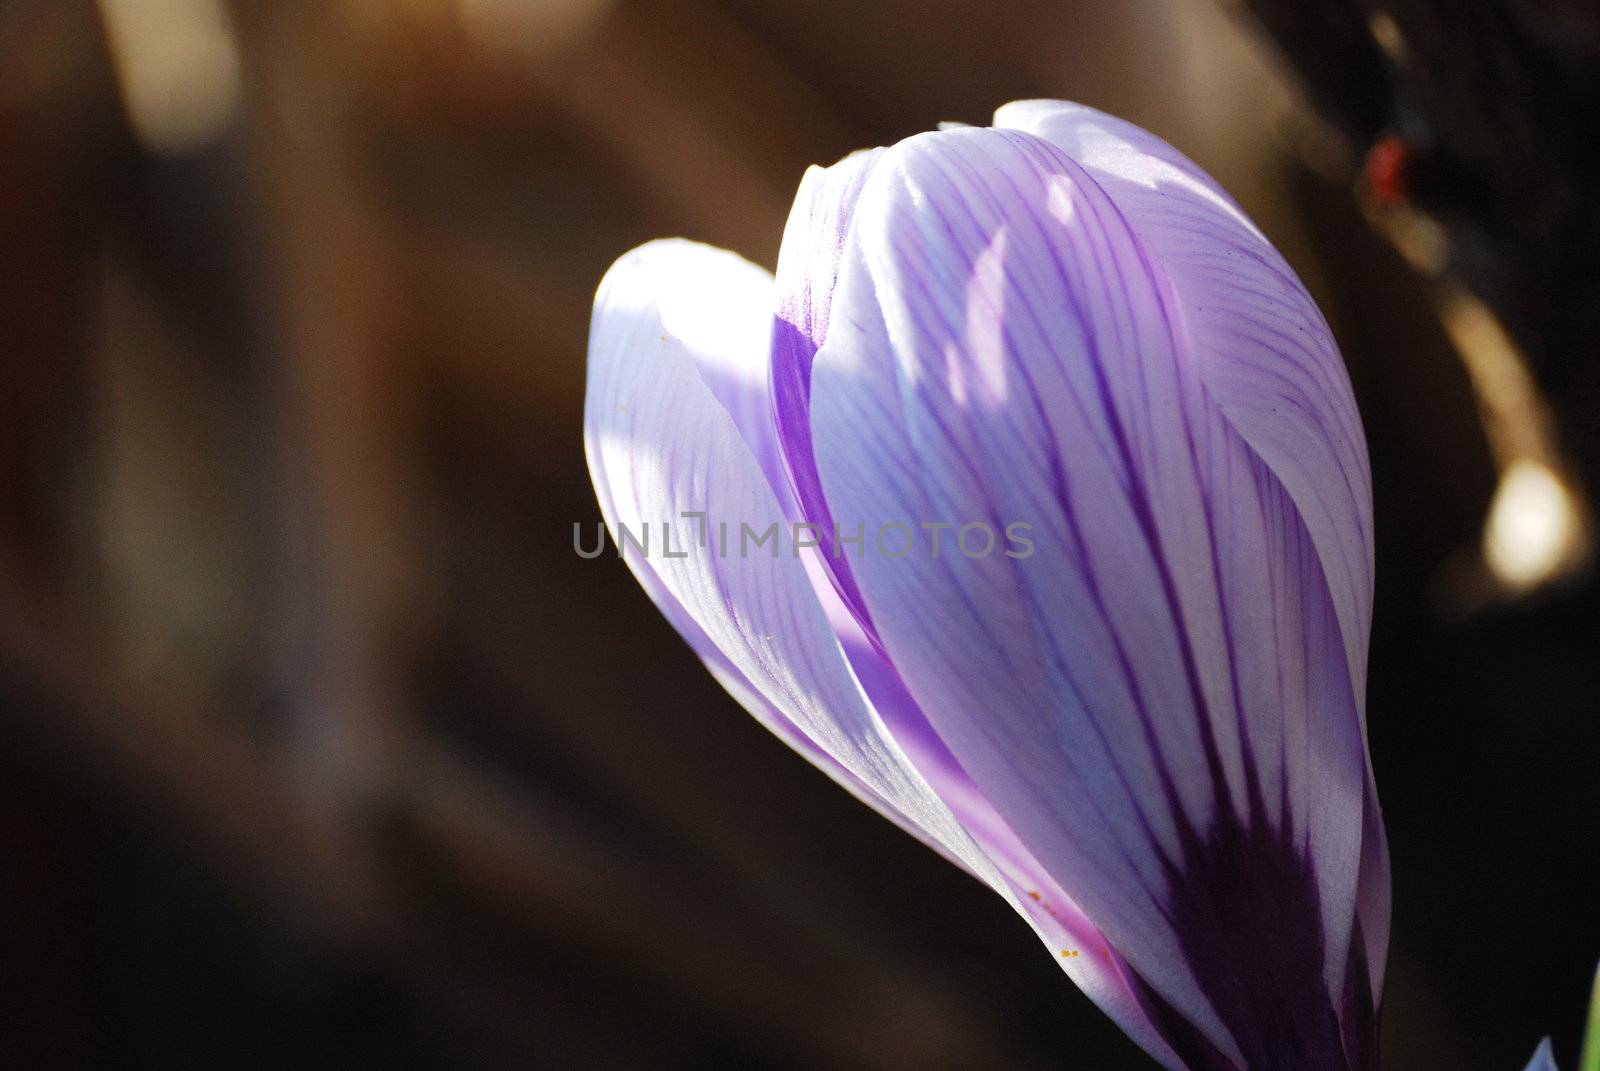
(320, 747)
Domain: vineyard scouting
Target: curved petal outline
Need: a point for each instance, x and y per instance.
(1286, 392)
(664, 434)
(942, 246)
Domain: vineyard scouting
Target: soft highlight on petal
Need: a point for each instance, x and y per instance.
(661, 442)
(1261, 345)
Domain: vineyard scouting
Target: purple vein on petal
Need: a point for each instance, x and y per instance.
(1236, 829)
(808, 269)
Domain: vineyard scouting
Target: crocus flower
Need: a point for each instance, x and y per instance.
(1145, 729)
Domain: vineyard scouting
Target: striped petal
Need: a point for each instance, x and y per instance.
(1159, 701)
(676, 352)
(669, 429)
(1267, 359)
(1261, 347)
(808, 270)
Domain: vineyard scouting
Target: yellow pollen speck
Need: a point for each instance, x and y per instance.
(1033, 894)
(1068, 953)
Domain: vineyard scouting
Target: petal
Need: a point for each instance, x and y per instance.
(1060, 923)
(1157, 700)
(1543, 1058)
(808, 270)
(662, 439)
(809, 264)
(1261, 346)
(1269, 361)
(676, 327)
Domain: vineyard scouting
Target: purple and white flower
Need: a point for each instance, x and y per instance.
(1148, 735)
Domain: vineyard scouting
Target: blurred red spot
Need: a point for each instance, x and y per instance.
(1385, 169)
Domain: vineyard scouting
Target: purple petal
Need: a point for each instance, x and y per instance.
(675, 325)
(1086, 956)
(1543, 1058)
(1158, 701)
(1261, 347)
(808, 269)
(667, 384)
(1269, 362)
